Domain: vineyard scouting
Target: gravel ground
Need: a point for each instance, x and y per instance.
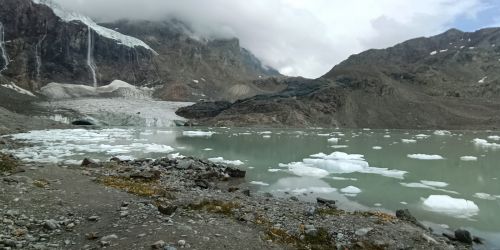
(182, 203)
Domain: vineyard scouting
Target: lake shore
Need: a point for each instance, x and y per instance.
(183, 203)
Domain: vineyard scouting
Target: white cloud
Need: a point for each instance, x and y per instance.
(298, 37)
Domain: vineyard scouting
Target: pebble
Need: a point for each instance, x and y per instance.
(363, 231)
(158, 245)
(181, 243)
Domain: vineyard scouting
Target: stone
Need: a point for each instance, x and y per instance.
(246, 192)
(310, 211)
(202, 183)
(293, 198)
(109, 237)
(93, 218)
(89, 163)
(310, 230)
(324, 201)
(167, 209)
(232, 189)
(50, 225)
(181, 243)
(184, 164)
(235, 173)
(463, 235)
(405, 215)
(92, 236)
(158, 245)
(146, 175)
(363, 231)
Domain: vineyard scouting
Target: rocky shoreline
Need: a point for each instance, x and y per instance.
(184, 203)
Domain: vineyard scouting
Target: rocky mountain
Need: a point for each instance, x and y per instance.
(451, 80)
(42, 43)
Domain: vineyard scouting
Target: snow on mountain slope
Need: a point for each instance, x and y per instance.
(69, 16)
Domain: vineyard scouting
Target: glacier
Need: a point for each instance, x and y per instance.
(69, 16)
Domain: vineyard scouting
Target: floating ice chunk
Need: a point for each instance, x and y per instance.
(301, 169)
(339, 146)
(222, 160)
(340, 162)
(260, 183)
(377, 147)
(273, 170)
(387, 136)
(176, 156)
(266, 136)
(424, 184)
(196, 81)
(404, 202)
(494, 137)
(377, 204)
(154, 148)
(73, 162)
(468, 158)
(198, 133)
(125, 157)
(351, 190)
(343, 178)
(435, 183)
(366, 129)
(433, 53)
(485, 144)
(422, 136)
(425, 157)
(17, 89)
(408, 141)
(207, 149)
(445, 204)
(333, 140)
(442, 132)
(443, 50)
(323, 134)
(320, 190)
(485, 196)
(265, 132)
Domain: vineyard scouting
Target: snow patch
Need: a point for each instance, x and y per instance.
(17, 89)
(482, 79)
(69, 16)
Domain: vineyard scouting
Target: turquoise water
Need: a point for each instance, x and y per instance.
(386, 178)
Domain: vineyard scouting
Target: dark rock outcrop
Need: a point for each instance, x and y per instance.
(448, 81)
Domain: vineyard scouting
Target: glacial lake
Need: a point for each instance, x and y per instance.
(446, 179)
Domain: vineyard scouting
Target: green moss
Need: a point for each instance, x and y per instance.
(329, 211)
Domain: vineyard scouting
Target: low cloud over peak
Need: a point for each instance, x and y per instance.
(297, 37)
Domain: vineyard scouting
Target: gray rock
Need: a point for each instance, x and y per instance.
(310, 230)
(324, 201)
(235, 173)
(202, 183)
(310, 211)
(363, 231)
(109, 237)
(50, 225)
(167, 209)
(158, 245)
(463, 236)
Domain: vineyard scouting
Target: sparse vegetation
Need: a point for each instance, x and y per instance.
(215, 206)
(134, 186)
(7, 163)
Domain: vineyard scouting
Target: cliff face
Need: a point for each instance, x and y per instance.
(43, 43)
(42, 47)
(448, 81)
(197, 68)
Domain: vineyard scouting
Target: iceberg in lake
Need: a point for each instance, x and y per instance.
(321, 165)
(455, 207)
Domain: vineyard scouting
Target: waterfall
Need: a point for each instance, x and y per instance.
(5, 57)
(38, 56)
(90, 56)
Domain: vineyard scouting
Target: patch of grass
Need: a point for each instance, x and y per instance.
(329, 211)
(7, 163)
(321, 240)
(215, 206)
(133, 186)
(41, 183)
(383, 217)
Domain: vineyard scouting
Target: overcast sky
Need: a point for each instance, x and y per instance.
(305, 37)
